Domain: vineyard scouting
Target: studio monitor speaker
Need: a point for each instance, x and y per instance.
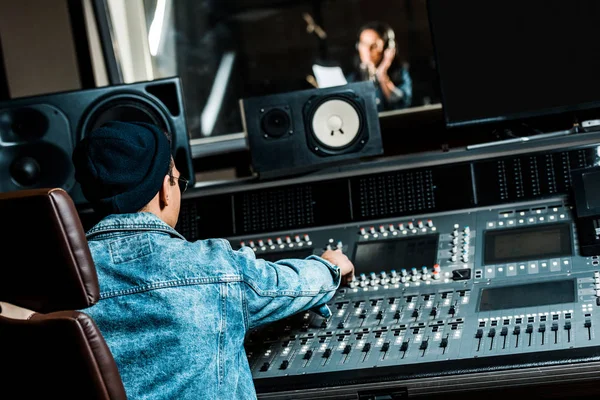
(38, 133)
(296, 132)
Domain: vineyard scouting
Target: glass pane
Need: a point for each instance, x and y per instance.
(224, 51)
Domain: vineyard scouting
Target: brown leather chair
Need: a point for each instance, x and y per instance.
(48, 349)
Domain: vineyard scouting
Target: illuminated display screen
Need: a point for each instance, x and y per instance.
(528, 295)
(386, 255)
(529, 243)
(280, 255)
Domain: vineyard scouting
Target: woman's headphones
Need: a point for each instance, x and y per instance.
(383, 30)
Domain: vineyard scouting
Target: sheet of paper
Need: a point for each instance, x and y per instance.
(328, 76)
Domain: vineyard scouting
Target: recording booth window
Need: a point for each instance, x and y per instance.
(226, 51)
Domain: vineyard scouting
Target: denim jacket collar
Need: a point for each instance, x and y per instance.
(134, 222)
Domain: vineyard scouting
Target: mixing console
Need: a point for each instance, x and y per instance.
(495, 281)
(475, 270)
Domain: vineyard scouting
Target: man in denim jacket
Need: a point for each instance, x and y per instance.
(175, 313)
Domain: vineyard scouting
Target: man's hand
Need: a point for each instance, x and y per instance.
(336, 257)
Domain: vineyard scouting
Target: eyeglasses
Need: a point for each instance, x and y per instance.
(183, 183)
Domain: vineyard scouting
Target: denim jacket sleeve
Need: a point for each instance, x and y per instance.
(275, 290)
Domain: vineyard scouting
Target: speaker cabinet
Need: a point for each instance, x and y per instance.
(296, 132)
(38, 133)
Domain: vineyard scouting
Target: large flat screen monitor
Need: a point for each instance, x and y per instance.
(503, 60)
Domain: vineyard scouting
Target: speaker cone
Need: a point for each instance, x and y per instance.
(25, 171)
(127, 109)
(35, 165)
(335, 123)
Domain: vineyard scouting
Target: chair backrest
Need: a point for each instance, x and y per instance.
(49, 349)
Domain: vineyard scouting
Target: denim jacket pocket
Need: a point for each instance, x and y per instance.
(130, 248)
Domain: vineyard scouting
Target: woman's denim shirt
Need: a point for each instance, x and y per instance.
(175, 313)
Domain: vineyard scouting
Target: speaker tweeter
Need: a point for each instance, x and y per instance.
(277, 122)
(25, 124)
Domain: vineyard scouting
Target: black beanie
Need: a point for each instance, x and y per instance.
(121, 165)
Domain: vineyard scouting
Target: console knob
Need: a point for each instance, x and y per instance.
(381, 228)
(363, 231)
(270, 242)
(251, 243)
(420, 224)
(288, 239)
(429, 223)
(391, 228)
(279, 241)
(306, 238)
(411, 225)
(372, 230)
(297, 239)
(261, 243)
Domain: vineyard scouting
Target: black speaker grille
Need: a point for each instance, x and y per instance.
(292, 207)
(277, 209)
(206, 217)
(396, 193)
(187, 223)
(528, 177)
(410, 192)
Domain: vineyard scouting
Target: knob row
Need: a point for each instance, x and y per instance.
(401, 227)
(278, 241)
(373, 279)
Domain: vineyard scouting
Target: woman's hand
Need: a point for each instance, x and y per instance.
(384, 66)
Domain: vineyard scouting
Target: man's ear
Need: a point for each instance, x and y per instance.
(165, 189)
